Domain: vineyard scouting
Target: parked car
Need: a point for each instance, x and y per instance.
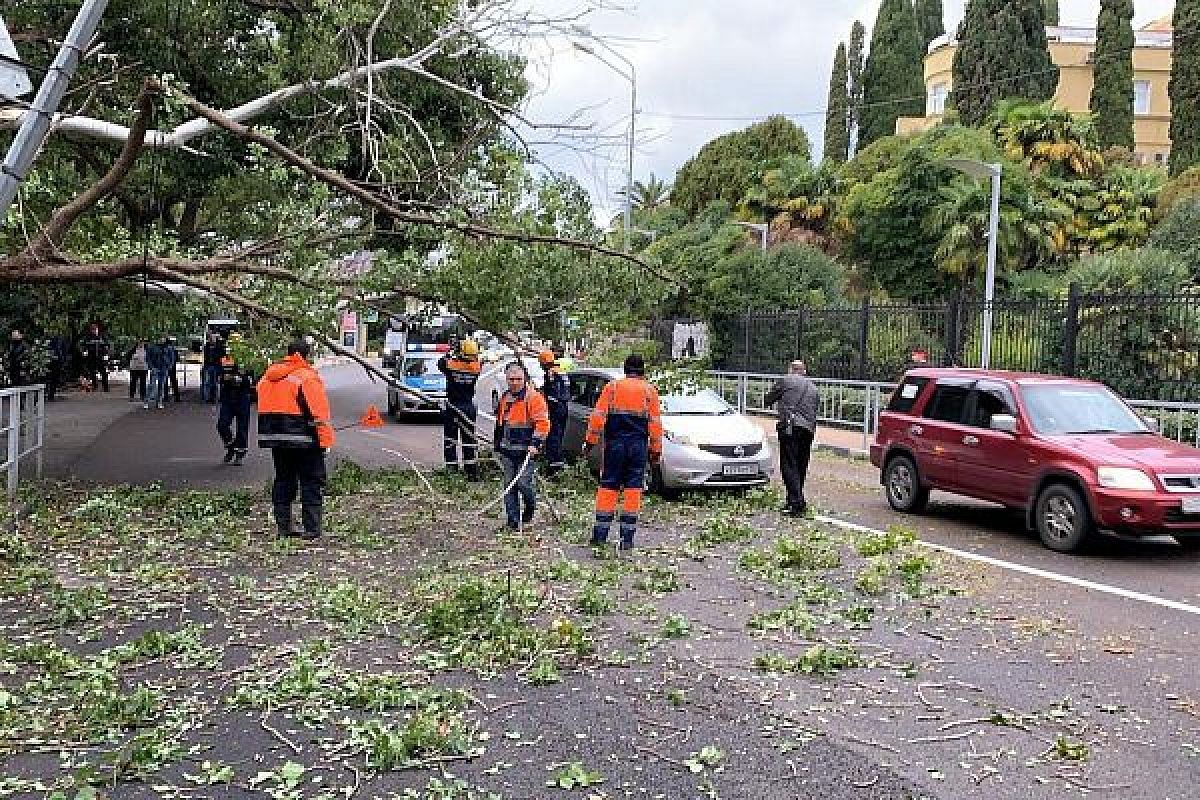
(707, 444)
(418, 370)
(1070, 453)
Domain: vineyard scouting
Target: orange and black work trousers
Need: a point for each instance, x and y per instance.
(623, 472)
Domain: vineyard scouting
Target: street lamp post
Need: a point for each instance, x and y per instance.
(762, 228)
(981, 170)
(632, 78)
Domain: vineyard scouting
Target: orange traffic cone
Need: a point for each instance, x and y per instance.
(371, 419)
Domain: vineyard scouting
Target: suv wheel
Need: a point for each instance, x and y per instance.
(903, 486)
(1062, 518)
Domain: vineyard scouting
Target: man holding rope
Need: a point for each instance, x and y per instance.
(522, 425)
(458, 416)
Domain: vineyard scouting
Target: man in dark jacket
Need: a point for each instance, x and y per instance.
(558, 394)
(18, 359)
(94, 351)
(57, 368)
(797, 399)
(237, 394)
(459, 416)
(213, 369)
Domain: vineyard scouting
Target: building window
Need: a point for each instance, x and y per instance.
(936, 102)
(1141, 97)
(1160, 158)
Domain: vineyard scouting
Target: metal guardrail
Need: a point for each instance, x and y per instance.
(855, 405)
(23, 420)
(849, 405)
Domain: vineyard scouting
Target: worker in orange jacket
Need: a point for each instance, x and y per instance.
(522, 425)
(629, 416)
(294, 423)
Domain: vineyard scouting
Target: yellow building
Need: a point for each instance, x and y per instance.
(1073, 50)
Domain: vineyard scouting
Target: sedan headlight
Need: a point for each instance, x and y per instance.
(679, 438)
(1124, 478)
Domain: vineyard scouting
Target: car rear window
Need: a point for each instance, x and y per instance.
(906, 395)
(948, 403)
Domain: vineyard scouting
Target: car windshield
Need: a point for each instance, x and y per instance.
(1075, 409)
(416, 366)
(705, 402)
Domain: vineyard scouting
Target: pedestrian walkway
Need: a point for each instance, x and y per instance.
(834, 440)
(176, 447)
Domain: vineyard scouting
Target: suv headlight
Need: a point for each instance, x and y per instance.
(1124, 478)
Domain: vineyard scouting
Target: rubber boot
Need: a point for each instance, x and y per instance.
(312, 521)
(283, 519)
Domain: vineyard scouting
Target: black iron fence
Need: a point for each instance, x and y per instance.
(1145, 346)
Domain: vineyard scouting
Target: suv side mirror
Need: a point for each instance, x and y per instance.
(1152, 424)
(1005, 423)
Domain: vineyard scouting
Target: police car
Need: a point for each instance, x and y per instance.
(418, 370)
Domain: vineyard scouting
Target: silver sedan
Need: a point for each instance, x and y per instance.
(707, 444)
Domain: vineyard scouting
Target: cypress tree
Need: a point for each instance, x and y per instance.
(931, 21)
(1185, 87)
(1112, 94)
(855, 57)
(1002, 53)
(1051, 9)
(837, 111)
(894, 78)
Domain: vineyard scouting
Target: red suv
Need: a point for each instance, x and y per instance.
(1070, 453)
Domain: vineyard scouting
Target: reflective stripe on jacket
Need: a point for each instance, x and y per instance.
(627, 408)
(522, 421)
(461, 376)
(293, 410)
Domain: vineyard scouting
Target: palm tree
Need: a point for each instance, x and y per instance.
(650, 195)
(1032, 230)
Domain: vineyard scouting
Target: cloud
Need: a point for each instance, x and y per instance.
(742, 60)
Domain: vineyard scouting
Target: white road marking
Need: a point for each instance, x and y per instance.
(1129, 594)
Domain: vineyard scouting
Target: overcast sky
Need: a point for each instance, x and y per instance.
(740, 61)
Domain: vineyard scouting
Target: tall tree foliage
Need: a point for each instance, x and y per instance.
(837, 110)
(727, 166)
(1002, 53)
(1052, 14)
(1185, 87)
(855, 58)
(894, 78)
(931, 20)
(1112, 93)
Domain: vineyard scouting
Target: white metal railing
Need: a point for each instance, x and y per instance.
(849, 405)
(23, 421)
(855, 405)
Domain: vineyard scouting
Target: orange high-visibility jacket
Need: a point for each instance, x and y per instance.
(522, 421)
(293, 410)
(628, 407)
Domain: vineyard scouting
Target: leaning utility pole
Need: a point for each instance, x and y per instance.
(35, 123)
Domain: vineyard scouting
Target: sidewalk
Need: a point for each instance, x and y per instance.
(833, 440)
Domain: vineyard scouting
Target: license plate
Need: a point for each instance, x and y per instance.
(1191, 505)
(747, 469)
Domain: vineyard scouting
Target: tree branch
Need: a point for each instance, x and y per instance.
(61, 221)
(382, 206)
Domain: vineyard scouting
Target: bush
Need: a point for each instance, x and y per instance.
(1179, 232)
(1145, 271)
(1184, 187)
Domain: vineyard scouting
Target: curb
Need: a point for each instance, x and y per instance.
(844, 452)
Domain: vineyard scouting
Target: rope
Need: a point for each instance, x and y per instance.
(510, 487)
